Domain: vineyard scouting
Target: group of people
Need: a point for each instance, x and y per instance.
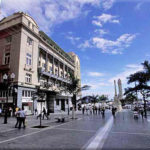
(93, 110)
(96, 110)
(20, 116)
(139, 110)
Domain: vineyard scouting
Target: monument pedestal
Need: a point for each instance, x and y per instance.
(117, 104)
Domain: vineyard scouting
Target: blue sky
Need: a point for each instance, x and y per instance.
(111, 37)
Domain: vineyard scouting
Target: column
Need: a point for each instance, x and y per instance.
(19, 97)
(46, 69)
(63, 70)
(53, 65)
(50, 103)
(58, 68)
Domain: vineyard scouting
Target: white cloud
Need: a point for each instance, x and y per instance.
(113, 47)
(84, 45)
(95, 74)
(107, 4)
(105, 18)
(101, 32)
(138, 6)
(48, 13)
(129, 69)
(73, 39)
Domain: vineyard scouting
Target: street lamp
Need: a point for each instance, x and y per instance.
(7, 79)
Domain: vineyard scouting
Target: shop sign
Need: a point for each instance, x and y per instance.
(26, 100)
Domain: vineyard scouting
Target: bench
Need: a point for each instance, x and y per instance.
(62, 119)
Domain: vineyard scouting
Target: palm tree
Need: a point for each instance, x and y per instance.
(141, 78)
(94, 99)
(103, 98)
(74, 88)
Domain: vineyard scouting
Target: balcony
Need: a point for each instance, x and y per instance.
(4, 67)
(49, 74)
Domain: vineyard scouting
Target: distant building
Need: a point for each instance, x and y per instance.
(37, 61)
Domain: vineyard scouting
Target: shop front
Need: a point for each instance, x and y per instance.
(27, 104)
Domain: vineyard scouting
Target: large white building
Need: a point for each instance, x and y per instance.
(37, 62)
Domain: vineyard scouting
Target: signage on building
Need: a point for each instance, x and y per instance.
(25, 100)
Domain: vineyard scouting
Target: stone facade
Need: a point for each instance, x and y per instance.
(37, 61)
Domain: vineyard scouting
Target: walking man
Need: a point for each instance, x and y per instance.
(83, 109)
(103, 112)
(114, 112)
(44, 113)
(22, 118)
(142, 112)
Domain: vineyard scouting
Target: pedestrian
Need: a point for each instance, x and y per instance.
(44, 113)
(83, 109)
(87, 109)
(10, 112)
(0, 111)
(35, 111)
(93, 110)
(90, 109)
(22, 118)
(142, 112)
(17, 117)
(99, 110)
(96, 110)
(113, 111)
(103, 112)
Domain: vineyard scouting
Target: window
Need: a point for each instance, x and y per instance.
(51, 69)
(56, 72)
(26, 93)
(4, 94)
(28, 78)
(8, 39)
(32, 27)
(57, 101)
(29, 94)
(29, 41)
(62, 74)
(23, 93)
(44, 66)
(7, 58)
(28, 59)
(29, 23)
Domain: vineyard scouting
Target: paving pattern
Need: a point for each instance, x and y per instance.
(86, 132)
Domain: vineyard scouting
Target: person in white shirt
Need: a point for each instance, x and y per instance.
(22, 117)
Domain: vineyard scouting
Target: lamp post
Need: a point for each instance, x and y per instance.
(7, 79)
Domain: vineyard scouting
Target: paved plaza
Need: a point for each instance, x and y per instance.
(86, 132)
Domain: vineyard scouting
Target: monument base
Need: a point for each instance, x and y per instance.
(117, 104)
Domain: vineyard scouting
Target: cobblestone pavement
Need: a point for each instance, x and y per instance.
(86, 132)
(30, 121)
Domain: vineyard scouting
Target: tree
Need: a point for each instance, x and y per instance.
(103, 98)
(141, 78)
(130, 98)
(74, 88)
(94, 99)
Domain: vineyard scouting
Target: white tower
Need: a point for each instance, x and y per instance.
(120, 89)
(117, 98)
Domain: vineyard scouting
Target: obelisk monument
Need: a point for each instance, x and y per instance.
(118, 97)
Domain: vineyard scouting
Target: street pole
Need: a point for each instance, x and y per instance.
(68, 107)
(8, 79)
(6, 109)
(41, 115)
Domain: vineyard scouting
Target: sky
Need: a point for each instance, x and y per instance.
(111, 37)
